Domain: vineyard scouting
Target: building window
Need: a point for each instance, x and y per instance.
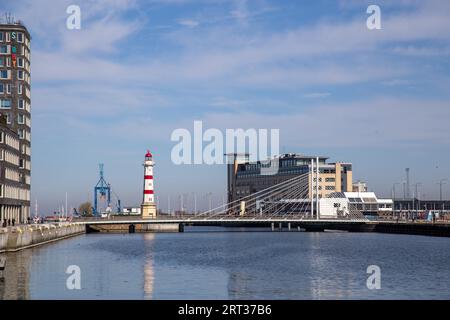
(4, 74)
(2, 88)
(21, 163)
(8, 88)
(1, 136)
(20, 37)
(20, 62)
(2, 61)
(19, 89)
(2, 36)
(21, 104)
(8, 118)
(4, 48)
(20, 119)
(5, 104)
(20, 75)
(21, 133)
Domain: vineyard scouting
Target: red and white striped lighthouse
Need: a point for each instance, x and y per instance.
(148, 207)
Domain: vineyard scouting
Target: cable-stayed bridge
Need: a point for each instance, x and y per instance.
(292, 199)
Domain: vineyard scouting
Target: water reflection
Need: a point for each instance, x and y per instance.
(149, 276)
(232, 265)
(15, 283)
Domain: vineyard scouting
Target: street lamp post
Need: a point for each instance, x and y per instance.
(181, 203)
(393, 194)
(404, 190)
(195, 202)
(441, 183)
(168, 204)
(417, 196)
(209, 199)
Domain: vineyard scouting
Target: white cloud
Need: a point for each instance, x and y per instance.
(221, 57)
(222, 102)
(189, 23)
(418, 51)
(96, 37)
(241, 11)
(384, 122)
(396, 82)
(314, 95)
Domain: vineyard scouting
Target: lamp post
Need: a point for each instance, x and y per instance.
(195, 202)
(441, 183)
(393, 194)
(404, 190)
(168, 204)
(416, 186)
(209, 199)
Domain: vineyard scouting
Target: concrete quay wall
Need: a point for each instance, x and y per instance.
(134, 228)
(22, 237)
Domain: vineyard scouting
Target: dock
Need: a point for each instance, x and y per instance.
(21, 237)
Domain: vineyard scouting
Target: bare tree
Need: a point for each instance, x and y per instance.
(85, 209)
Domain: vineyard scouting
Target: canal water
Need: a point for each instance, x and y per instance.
(217, 263)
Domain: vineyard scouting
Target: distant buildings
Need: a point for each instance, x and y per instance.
(245, 178)
(15, 127)
(339, 197)
(346, 204)
(359, 186)
(421, 205)
(132, 211)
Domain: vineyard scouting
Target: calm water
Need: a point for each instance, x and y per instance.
(205, 264)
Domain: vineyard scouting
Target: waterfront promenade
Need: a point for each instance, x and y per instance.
(26, 236)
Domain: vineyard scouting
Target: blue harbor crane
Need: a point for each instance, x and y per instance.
(103, 191)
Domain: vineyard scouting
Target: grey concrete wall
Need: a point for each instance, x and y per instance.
(17, 238)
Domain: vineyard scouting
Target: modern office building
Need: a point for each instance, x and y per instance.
(15, 108)
(245, 177)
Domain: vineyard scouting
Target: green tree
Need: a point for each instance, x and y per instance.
(85, 209)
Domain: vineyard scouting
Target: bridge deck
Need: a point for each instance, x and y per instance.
(218, 220)
(352, 225)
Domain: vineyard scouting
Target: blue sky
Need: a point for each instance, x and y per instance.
(137, 70)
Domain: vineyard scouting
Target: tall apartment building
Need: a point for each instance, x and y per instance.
(245, 178)
(15, 121)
